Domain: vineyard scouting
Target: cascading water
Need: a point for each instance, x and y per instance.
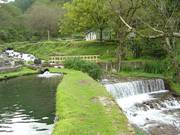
(126, 89)
(148, 105)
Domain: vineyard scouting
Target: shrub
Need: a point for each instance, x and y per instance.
(146, 48)
(157, 67)
(92, 69)
(37, 62)
(149, 66)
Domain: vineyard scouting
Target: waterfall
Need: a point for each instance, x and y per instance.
(49, 75)
(126, 89)
(147, 105)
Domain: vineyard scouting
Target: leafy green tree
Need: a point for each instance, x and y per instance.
(23, 4)
(84, 16)
(162, 18)
(159, 19)
(9, 15)
(11, 23)
(43, 19)
(123, 9)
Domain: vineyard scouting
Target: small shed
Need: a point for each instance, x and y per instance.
(90, 36)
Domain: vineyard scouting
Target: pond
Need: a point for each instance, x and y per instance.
(27, 105)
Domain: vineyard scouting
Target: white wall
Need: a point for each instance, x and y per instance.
(91, 36)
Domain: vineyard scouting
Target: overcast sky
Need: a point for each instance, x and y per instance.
(7, 1)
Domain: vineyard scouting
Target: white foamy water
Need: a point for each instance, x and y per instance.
(20, 124)
(127, 89)
(48, 74)
(144, 105)
(22, 56)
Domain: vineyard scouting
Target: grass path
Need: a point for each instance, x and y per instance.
(84, 107)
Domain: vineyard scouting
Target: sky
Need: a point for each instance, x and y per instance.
(7, 0)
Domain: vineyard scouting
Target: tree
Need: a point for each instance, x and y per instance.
(161, 22)
(23, 4)
(10, 24)
(85, 15)
(167, 28)
(123, 9)
(9, 15)
(43, 19)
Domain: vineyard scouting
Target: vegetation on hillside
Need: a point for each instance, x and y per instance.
(44, 50)
(30, 20)
(130, 20)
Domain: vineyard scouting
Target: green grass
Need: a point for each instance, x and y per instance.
(178, 57)
(140, 74)
(23, 71)
(43, 50)
(176, 87)
(80, 111)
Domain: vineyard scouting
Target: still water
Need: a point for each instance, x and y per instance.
(27, 105)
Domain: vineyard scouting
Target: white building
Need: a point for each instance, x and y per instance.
(91, 36)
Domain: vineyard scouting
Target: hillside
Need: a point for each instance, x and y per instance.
(106, 50)
(43, 50)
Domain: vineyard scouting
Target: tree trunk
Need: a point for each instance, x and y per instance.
(110, 35)
(101, 34)
(177, 71)
(119, 62)
(120, 55)
(48, 35)
(171, 48)
(121, 48)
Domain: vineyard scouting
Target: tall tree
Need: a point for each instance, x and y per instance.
(167, 26)
(10, 23)
(43, 19)
(86, 15)
(161, 20)
(23, 4)
(128, 10)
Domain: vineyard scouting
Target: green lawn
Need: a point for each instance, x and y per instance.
(45, 49)
(23, 71)
(84, 107)
(140, 74)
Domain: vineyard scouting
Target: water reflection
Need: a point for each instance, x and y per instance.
(27, 105)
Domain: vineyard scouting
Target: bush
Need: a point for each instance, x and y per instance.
(92, 69)
(37, 62)
(149, 66)
(146, 48)
(157, 67)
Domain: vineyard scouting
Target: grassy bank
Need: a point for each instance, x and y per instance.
(176, 87)
(47, 48)
(85, 108)
(21, 72)
(140, 74)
